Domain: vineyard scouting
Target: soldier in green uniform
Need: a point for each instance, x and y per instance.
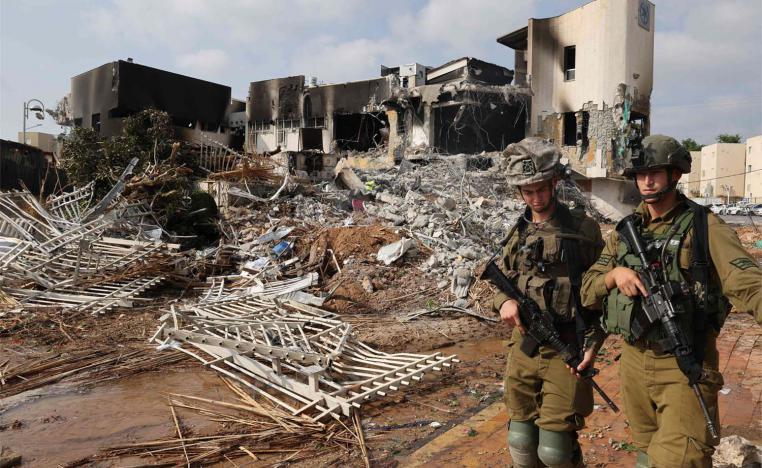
(666, 421)
(545, 255)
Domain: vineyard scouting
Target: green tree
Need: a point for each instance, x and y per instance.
(728, 138)
(691, 145)
(146, 135)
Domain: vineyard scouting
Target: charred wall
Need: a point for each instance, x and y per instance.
(279, 98)
(182, 97)
(472, 128)
(26, 166)
(349, 98)
(95, 93)
(104, 95)
(474, 70)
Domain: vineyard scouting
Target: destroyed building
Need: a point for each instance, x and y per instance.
(577, 80)
(464, 106)
(289, 115)
(591, 86)
(101, 97)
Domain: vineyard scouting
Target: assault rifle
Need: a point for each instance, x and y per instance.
(540, 329)
(658, 308)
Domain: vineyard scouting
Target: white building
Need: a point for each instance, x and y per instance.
(591, 75)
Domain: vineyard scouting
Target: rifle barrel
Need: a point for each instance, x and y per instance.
(603, 395)
(709, 423)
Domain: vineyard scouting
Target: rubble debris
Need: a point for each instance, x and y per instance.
(447, 308)
(346, 177)
(9, 458)
(461, 281)
(736, 452)
(84, 367)
(392, 252)
(73, 262)
(256, 428)
(305, 357)
(289, 255)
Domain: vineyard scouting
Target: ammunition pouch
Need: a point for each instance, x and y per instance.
(618, 314)
(551, 294)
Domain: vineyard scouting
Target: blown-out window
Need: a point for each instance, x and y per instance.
(570, 63)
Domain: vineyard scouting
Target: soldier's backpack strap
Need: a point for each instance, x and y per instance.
(570, 225)
(700, 261)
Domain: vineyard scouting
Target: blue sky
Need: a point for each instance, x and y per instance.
(708, 54)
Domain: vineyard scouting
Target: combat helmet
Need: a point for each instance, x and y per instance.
(532, 160)
(658, 151)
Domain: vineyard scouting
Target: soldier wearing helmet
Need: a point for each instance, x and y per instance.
(545, 254)
(703, 257)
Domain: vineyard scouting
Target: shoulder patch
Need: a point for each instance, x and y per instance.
(744, 263)
(604, 259)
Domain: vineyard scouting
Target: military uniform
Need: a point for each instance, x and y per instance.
(666, 421)
(546, 404)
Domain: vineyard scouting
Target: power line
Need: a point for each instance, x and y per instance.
(722, 177)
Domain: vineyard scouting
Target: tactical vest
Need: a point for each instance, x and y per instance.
(543, 259)
(620, 309)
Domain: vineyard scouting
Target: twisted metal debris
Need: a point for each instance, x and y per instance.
(300, 357)
(65, 253)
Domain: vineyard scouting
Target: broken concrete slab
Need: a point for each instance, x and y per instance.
(392, 252)
(737, 452)
(347, 178)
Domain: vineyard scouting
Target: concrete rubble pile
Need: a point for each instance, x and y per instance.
(460, 206)
(262, 327)
(456, 205)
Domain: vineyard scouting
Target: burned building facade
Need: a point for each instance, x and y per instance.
(102, 97)
(591, 75)
(464, 106)
(286, 114)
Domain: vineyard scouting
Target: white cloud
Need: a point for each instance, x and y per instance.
(708, 69)
(205, 62)
(438, 31)
(333, 61)
(183, 24)
(463, 28)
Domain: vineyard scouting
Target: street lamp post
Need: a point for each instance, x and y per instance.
(40, 109)
(727, 194)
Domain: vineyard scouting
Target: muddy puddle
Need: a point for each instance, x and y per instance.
(476, 350)
(63, 426)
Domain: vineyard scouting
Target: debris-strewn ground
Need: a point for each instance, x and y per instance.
(78, 389)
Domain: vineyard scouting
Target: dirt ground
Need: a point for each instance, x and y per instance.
(72, 418)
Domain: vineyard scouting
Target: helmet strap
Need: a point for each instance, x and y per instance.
(656, 197)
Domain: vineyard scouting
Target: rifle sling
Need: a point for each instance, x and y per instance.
(700, 261)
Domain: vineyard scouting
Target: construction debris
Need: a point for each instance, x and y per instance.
(67, 255)
(736, 452)
(256, 284)
(86, 367)
(305, 355)
(256, 430)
